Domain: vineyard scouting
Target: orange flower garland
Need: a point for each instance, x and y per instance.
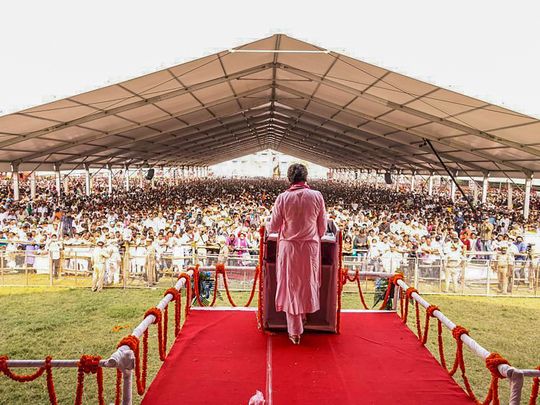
(429, 314)
(161, 344)
(89, 365)
(47, 368)
(534, 390)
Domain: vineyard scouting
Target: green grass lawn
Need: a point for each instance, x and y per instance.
(66, 323)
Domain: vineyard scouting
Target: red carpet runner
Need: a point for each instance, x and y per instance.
(221, 358)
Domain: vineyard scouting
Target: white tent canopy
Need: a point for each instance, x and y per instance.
(278, 93)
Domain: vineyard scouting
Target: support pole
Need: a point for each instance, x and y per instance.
(126, 177)
(33, 186)
(110, 178)
(66, 185)
(88, 187)
(527, 201)
(452, 190)
(141, 177)
(413, 178)
(15, 181)
(510, 202)
(430, 184)
(485, 185)
(58, 177)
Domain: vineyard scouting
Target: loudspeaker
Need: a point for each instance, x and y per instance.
(150, 174)
(388, 178)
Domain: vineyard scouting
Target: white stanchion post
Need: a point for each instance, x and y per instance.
(58, 178)
(430, 184)
(527, 201)
(127, 391)
(15, 181)
(33, 186)
(510, 203)
(126, 177)
(485, 184)
(110, 179)
(88, 187)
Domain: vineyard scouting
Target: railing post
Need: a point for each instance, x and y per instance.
(127, 390)
(2, 268)
(416, 272)
(488, 276)
(125, 265)
(397, 292)
(50, 270)
(26, 274)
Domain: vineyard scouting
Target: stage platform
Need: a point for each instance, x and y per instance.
(222, 358)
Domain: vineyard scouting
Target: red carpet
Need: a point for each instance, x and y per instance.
(221, 358)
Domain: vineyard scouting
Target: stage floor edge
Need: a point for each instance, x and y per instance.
(222, 358)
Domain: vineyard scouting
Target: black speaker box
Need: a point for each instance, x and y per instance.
(388, 178)
(150, 174)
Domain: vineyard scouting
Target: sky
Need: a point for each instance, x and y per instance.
(55, 49)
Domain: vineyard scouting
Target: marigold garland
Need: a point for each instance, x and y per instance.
(133, 343)
(429, 313)
(46, 368)
(392, 281)
(196, 285)
(50, 382)
(356, 278)
(493, 361)
(19, 377)
(339, 281)
(260, 302)
(162, 349)
(534, 389)
(408, 296)
(118, 388)
(177, 308)
(186, 277)
(220, 269)
(89, 365)
(253, 286)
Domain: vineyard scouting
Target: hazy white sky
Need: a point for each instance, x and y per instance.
(53, 49)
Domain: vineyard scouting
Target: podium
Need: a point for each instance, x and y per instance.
(326, 318)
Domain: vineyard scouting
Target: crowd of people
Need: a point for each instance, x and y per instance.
(164, 227)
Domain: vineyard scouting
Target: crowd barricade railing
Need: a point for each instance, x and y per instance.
(130, 358)
(126, 359)
(498, 366)
(479, 273)
(468, 276)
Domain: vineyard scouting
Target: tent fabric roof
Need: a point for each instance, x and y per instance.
(279, 93)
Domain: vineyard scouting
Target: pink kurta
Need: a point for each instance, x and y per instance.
(299, 217)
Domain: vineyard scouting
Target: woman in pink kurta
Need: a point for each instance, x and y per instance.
(299, 217)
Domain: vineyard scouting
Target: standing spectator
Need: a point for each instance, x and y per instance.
(54, 247)
(99, 258)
